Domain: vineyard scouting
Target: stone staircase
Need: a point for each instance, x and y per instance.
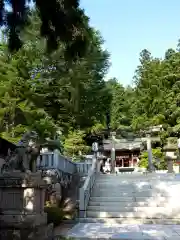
(132, 207)
(135, 198)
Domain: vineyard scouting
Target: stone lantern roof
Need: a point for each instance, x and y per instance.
(171, 144)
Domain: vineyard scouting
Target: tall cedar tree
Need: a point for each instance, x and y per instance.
(62, 20)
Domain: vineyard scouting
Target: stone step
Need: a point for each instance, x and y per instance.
(113, 193)
(155, 215)
(141, 177)
(124, 181)
(110, 209)
(131, 179)
(168, 221)
(112, 199)
(147, 210)
(118, 180)
(128, 177)
(128, 199)
(135, 184)
(123, 186)
(159, 199)
(135, 176)
(140, 174)
(154, 189)
(121, 177)
(126, 204)
(112, 188)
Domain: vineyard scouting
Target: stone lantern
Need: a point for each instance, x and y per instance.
(178, 154)
(22, 197)
(178, 144)
(170, 153)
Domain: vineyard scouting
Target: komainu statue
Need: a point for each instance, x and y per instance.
(24, 156)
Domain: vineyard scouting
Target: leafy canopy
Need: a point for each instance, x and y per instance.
(61, 21)
(39, 91)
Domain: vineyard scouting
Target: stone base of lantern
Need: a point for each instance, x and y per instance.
(22, 213)
(170, 162)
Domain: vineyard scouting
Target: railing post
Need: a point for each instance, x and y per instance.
(81, 203)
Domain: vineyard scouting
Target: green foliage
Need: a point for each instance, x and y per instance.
(143, 163)
(74, 145)
(97, 128)
(40, 91)
(120, 104)
(55, 215)
(158, 159)
(154, 98)
(157, 91)
(61, 21)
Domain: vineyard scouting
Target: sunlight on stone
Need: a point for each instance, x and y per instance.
(174, 191)
(29, 206)
(103, 215)
(151, 232)
(29, 197)
(153, 203)
(110, 221)
(162, 186)
(47, 180)
(141, 185)
(174, 202)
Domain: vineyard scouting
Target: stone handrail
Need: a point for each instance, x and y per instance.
(83, 168)
(86, 189)
(66, 165)
(54, 160)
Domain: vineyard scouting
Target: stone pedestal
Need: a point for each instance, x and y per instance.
(170, 153)
(170, 165)
(22, 213)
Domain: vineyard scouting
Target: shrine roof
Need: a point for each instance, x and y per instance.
(122, 146)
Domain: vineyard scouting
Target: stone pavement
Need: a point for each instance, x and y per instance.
(124, 231)
(63, 229)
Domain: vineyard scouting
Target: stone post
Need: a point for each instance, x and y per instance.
(113, 152)
(132, 160)
(149, 150)
(113, 157)
(170, 165)
(178, 157)
(22, 213)
(122, 162)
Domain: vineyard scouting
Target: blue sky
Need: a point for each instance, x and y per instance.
(128, 26)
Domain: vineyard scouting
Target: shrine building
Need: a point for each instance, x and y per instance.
(127, 152)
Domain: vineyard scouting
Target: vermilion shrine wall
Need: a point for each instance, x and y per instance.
(125, 158)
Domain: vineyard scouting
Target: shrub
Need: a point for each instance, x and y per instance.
(159, 160)
(54, 215)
